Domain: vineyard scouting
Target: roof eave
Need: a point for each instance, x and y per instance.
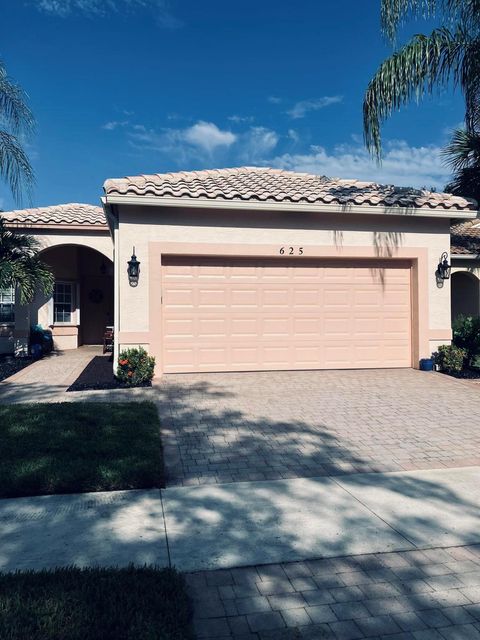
(55, 226)
(465, 256)
(307, 207)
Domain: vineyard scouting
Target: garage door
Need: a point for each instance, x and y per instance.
(223, 314)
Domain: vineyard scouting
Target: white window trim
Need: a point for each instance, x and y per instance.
(9, 323)
(75, 307)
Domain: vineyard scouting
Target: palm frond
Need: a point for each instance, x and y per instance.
(423, 64)
(462, 155)
(465, 183)
(15, 167)
(14, 110)
(21, 266)
(463, 151)
(468, 77)
(395, 13)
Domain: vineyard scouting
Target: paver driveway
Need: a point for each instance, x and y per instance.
(273, 425)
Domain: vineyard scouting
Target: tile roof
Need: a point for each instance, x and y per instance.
(276, 185)
(74, 214)
(465, 237)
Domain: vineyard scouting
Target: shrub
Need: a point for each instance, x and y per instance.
(135, 367)
(466, 335)
(450, 358)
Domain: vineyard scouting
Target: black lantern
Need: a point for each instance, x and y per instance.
(133, 270)
(444, 268)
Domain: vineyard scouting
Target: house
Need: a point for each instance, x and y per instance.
(465, 256)
(249, 269)
(78, 246)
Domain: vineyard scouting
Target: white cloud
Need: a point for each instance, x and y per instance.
(114, 124)
(197, 142)
(65, 8)
(293, 135)
(402, 164)
(239, 119)
(206, 145)
(207, 136)
(274, 99)
(300, 109)
(256, 145)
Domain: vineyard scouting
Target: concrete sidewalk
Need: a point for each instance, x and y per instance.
(104, 529)
(248, 523)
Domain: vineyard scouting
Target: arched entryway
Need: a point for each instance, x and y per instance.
(465, 294)
(82, 303)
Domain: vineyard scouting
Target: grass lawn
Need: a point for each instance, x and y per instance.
(76, 447)
(94, 604)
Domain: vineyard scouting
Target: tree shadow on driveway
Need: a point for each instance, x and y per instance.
(263, 490)
(315, 515)
(247, 427)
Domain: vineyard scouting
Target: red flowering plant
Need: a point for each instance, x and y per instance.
(135, 367)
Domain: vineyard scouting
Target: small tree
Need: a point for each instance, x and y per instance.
(21, 266)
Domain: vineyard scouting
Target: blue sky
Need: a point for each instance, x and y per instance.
(122, 87)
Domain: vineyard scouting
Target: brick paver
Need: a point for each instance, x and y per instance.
(271, 425)
(257, 603)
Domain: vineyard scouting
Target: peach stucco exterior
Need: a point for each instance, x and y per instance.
(249, 268)
(157, 231)
(68, 243)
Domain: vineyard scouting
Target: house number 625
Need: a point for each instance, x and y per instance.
(291, 251)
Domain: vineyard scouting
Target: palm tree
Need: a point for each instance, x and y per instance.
(20, 265)
(16, 124)
(463, 156)
(450, 55)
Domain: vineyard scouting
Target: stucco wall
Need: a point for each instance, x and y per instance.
(465, 295)
(386, 236)
(65, 262)
(470, 266)
(99, 240)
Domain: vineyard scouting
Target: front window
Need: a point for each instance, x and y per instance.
(7, 305)
(63, 302)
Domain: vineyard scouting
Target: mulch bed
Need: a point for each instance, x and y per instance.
(466, 374)
(10, 365)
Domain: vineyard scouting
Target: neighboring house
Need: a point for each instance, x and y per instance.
(465, 250)
(78, 246)
(251, 269)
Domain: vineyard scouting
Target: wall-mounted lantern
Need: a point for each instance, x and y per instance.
(133, 270)
(444, 268)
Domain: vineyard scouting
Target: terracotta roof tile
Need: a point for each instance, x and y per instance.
(276, 185)
(465, 237)
(74, 214)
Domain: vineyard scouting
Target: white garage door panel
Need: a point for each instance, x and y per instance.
(238, 315)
